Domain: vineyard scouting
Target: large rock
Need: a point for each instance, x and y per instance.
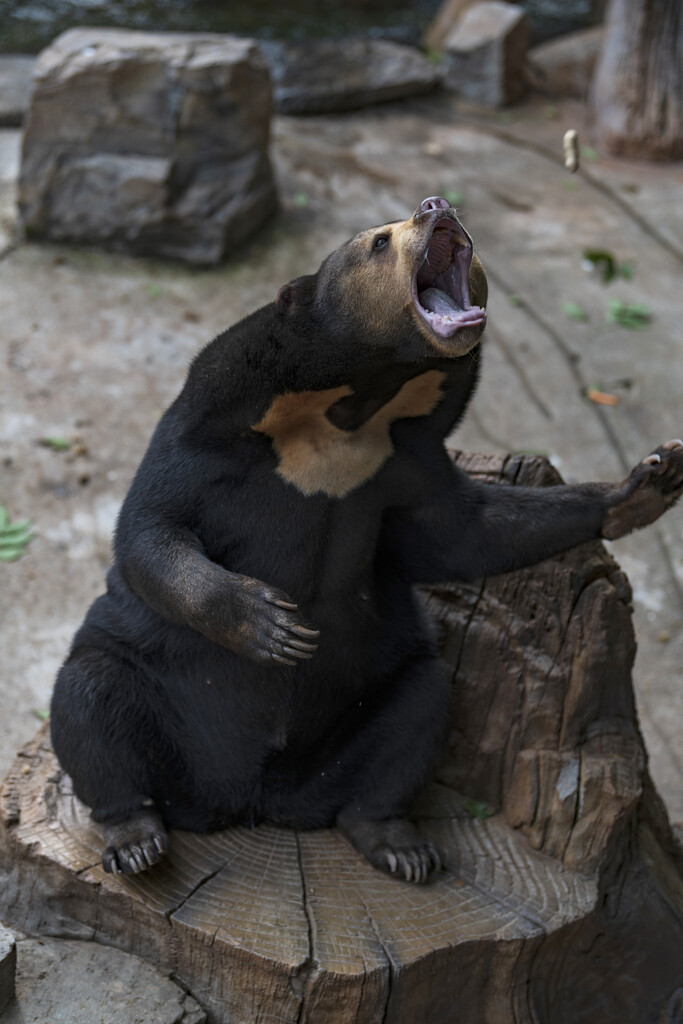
(16, 83)
(445, 20)
(486, 52)
(150, 143)
(8, 966)
(564, 66)
(324, 75)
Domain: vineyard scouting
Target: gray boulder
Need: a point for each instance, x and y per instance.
(320, 76)
(151, 143)
(565, 66)
(16, 83)
(485, 54)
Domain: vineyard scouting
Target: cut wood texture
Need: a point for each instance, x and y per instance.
(564, 905)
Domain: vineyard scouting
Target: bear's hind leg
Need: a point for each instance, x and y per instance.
(103, 735)
(395, 754)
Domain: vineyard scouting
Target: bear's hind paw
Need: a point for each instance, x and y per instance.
(414, 863)
(134, 845)
(394, 846)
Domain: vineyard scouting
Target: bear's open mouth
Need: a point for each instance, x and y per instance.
(441, 283)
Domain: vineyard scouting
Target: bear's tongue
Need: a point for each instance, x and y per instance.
(439, 302)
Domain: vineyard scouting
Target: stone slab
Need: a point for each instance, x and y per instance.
(328, 75)
(72, 982)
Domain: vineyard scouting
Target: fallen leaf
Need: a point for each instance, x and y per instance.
(57, 444)
(453, 197)
(14, 536)
(574, 312)
(601, 397)
(632, 315)
(478, 809)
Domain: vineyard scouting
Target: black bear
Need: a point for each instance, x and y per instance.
(259, 653)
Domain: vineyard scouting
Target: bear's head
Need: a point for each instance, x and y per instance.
(414, 286)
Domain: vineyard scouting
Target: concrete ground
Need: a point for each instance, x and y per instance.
(95, 346)
(63, 981)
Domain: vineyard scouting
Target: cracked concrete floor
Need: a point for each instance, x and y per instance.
(94, 346)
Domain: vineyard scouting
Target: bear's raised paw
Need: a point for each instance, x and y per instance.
(649, 490)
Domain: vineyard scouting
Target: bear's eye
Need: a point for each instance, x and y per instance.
(380, 242)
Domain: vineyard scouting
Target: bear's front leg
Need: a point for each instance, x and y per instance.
(169, 571)
(649, 490)
(469, 529)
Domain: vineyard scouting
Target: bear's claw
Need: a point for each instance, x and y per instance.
(394, 846)
(134, 845)
(415, 864)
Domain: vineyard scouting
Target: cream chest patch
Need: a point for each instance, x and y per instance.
(316, 456)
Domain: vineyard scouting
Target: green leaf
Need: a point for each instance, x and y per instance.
(18, 541)
(42, 714)
(478, 809)
(606, 265)
(300, 199)
(575, 312)
(453, 197)
(58, 444)
(588, 153)
(153, 290)
(10, 554)
(601, 261)
(634, 316)
(18, 526)
(435, 56)
(514, 300)
(14, 536)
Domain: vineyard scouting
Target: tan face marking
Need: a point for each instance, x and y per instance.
(379, 286)
(315, 456)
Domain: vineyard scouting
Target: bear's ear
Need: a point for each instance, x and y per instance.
(296, 294)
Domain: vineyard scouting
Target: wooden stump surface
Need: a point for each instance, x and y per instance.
(273, 925)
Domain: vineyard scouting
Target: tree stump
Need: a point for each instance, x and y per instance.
(636, 98)
(564, 905)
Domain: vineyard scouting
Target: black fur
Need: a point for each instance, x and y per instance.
(199, 685)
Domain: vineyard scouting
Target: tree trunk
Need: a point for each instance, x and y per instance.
(637, 93)
(563, 895)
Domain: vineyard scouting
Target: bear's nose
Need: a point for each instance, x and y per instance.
(434, 203)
